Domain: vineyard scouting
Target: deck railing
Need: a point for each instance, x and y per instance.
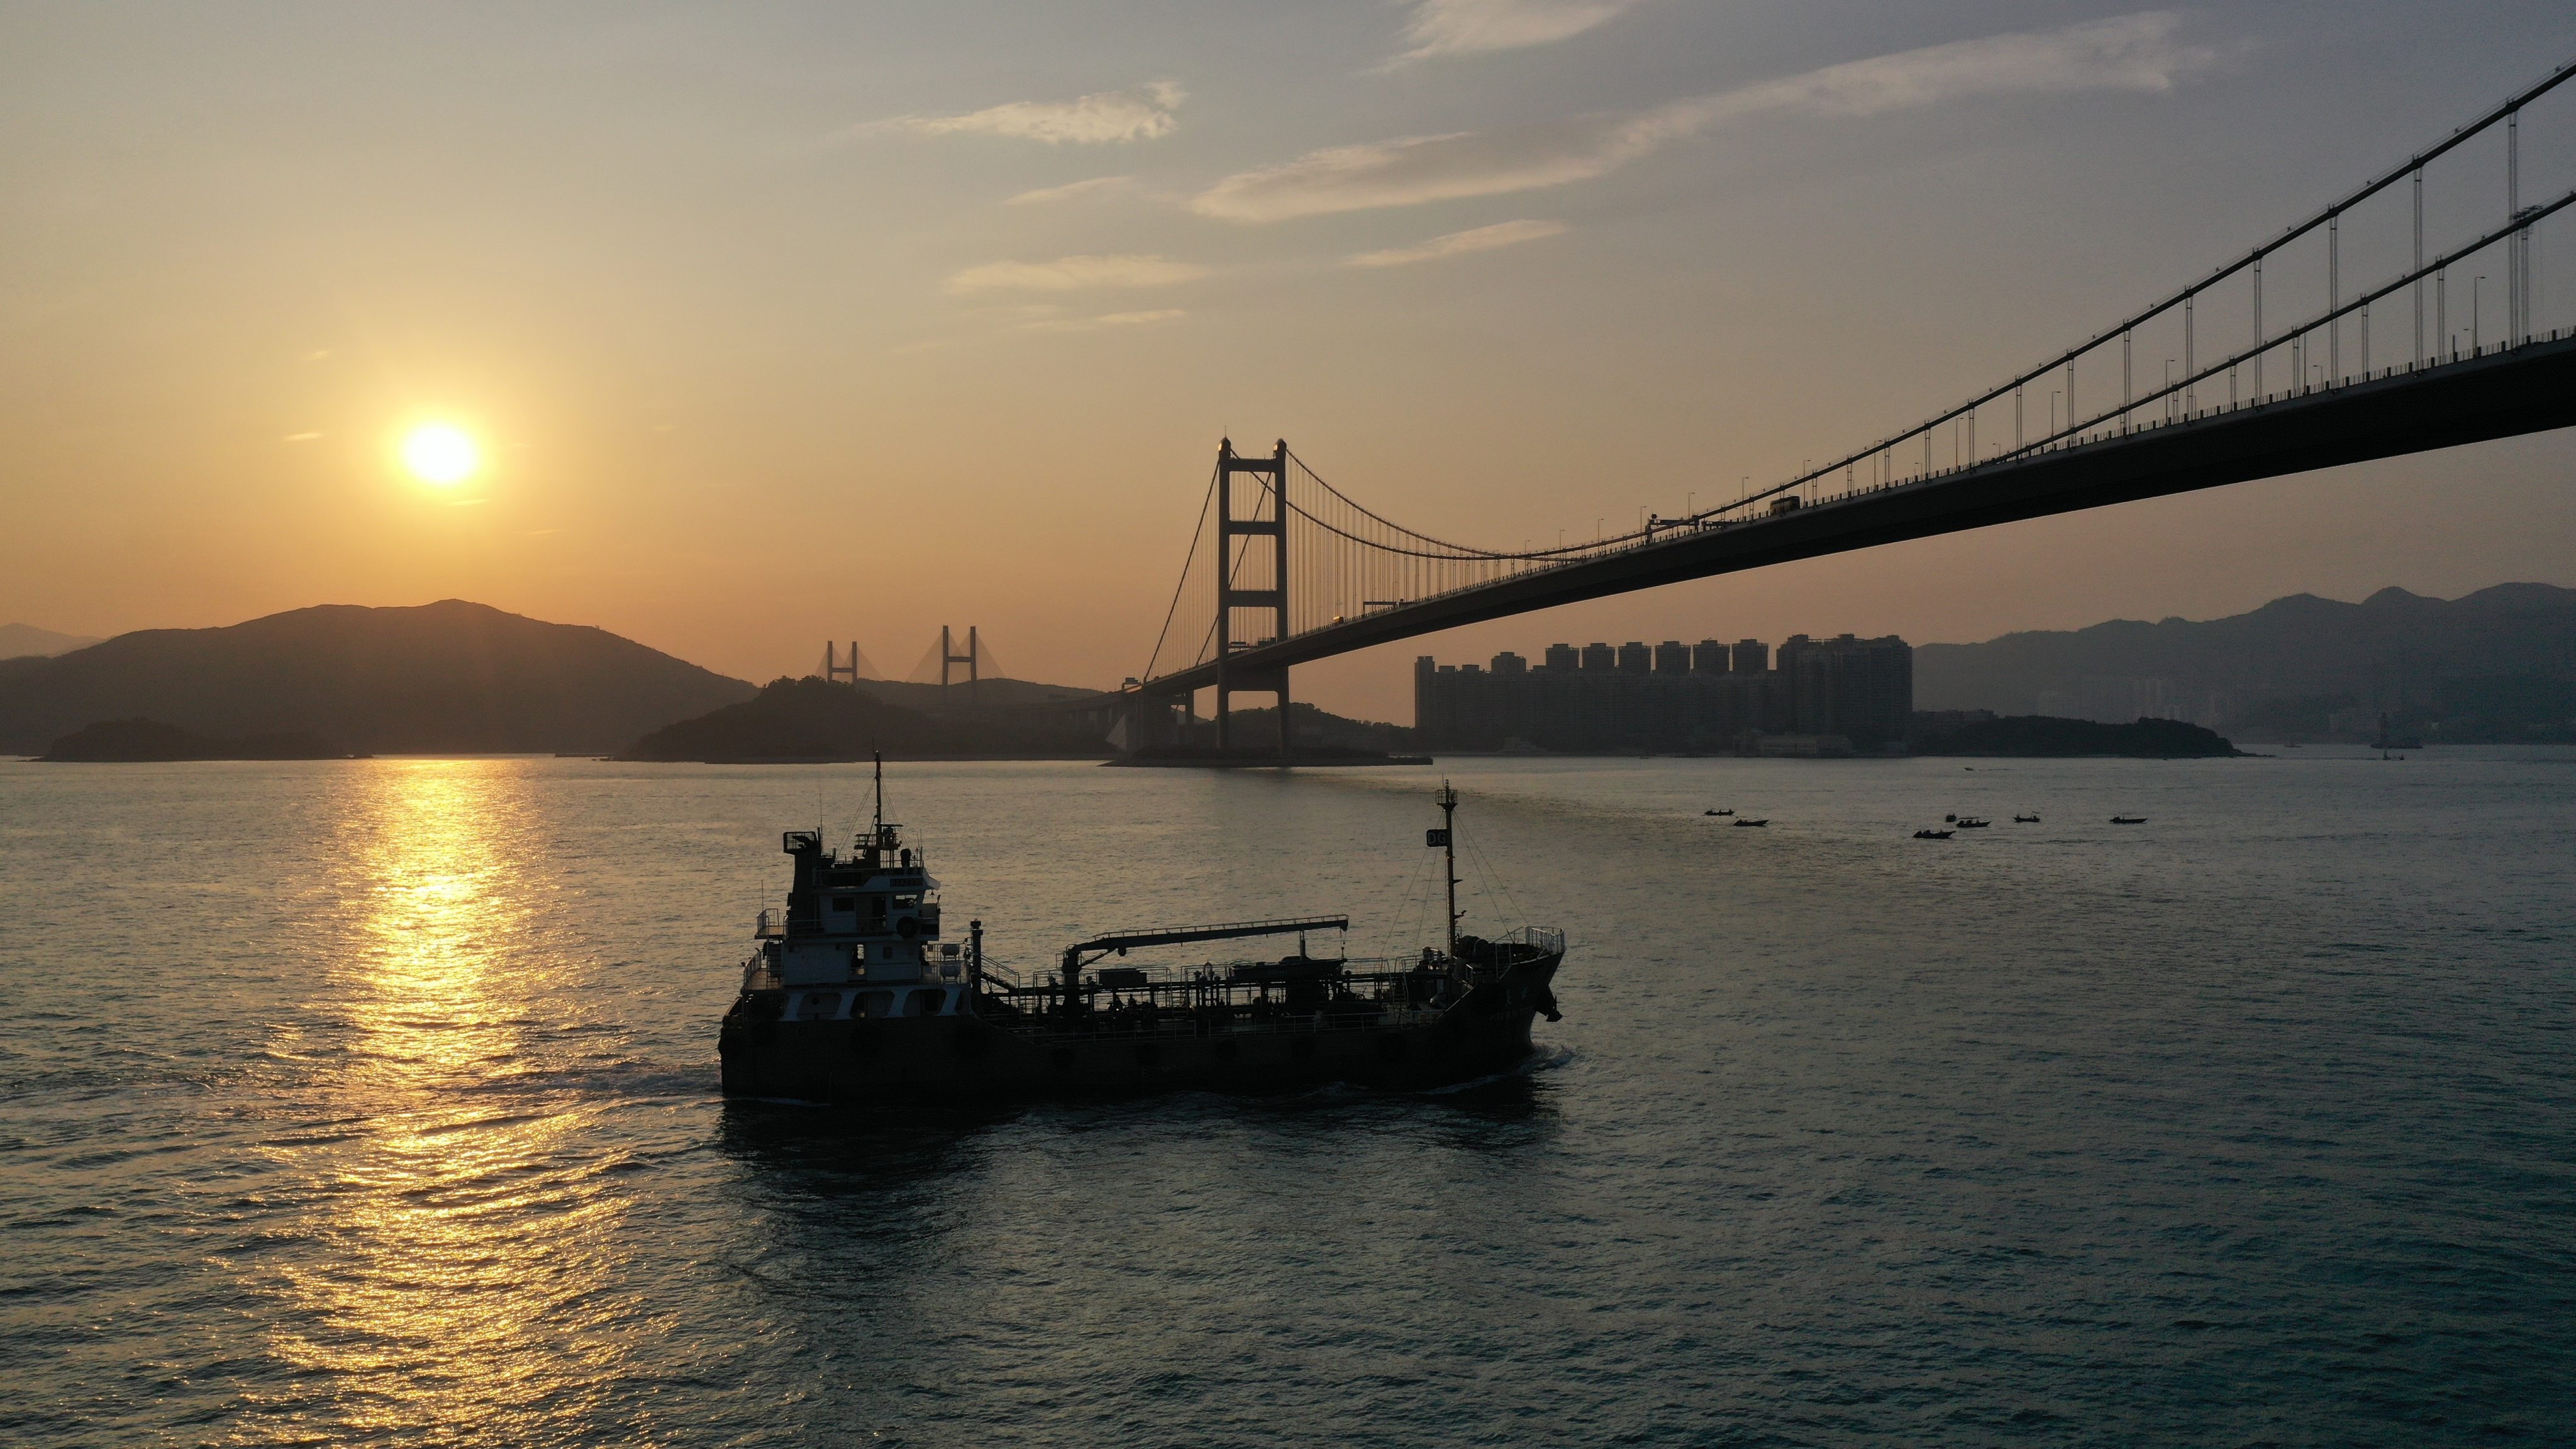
(1543, 938)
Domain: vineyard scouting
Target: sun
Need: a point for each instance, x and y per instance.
(441, 454)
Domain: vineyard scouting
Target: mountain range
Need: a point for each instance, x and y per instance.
(2498, 664)
(19, 640)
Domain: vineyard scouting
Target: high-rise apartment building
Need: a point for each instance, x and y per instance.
(1634, 697)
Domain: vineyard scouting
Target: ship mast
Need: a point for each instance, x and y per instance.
(1448, 799)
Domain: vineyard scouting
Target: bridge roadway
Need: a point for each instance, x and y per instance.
(2504, 393)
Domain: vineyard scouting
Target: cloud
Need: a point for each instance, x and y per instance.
(1140, 113)
(1470, 27)
(2131, 53)
(1458, 243)
(1073, 274)
(1113, 319)
(1069, 190)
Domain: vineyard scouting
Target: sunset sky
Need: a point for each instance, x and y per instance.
(768, 323)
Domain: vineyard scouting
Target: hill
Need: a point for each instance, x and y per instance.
(2499, 664)
(986, 694)
(810, 719)
(449, 677)
(19, 640)
(1314, 730)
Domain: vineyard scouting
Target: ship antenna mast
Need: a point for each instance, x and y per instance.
(1449, 855)
(880, 820)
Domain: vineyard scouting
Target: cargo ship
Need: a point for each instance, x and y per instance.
(853, 992)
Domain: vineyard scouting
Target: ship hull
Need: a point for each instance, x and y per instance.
(967, 1057)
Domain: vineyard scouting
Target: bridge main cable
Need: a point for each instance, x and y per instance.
(2469, 249)
(2456, 139)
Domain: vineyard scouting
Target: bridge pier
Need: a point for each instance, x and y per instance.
(1141, 720)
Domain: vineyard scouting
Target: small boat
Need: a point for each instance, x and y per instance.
(1764, 821)
(1949, 819)
(1934, 834)
(2128, 820)
(1717, 812)
(1973, 822)
(2025, 820)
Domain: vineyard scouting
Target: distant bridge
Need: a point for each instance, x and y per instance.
(1295, 570)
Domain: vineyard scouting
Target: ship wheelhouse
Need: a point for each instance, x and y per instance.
(868, 918)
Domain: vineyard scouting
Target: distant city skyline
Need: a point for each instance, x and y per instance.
(750, 329)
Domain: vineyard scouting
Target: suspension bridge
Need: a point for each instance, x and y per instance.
(1286, 568)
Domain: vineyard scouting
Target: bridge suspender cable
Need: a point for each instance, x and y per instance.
(2519, 223)
(2253, 259)
(1188, 560)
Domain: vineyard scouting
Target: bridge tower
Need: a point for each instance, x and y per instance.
(833, 668)
(1230, 680)
(948, 656)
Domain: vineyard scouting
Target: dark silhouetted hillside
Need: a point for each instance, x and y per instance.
(2491, 665)
(143, 739)
(810, 720)
(449, 677)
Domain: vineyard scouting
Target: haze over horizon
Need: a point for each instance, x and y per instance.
(792, 323)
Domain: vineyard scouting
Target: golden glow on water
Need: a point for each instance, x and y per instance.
(454, 1283)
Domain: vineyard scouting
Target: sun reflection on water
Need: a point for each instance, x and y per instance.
(447, 1279)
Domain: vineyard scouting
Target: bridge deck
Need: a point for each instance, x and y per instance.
(2505, 393)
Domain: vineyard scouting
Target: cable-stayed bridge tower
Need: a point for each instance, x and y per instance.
(834, 669)
(949, 658)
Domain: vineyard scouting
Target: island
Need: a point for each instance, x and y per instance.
(138, 740)
(2046, 736)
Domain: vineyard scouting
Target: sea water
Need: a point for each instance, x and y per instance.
(375, 1102)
